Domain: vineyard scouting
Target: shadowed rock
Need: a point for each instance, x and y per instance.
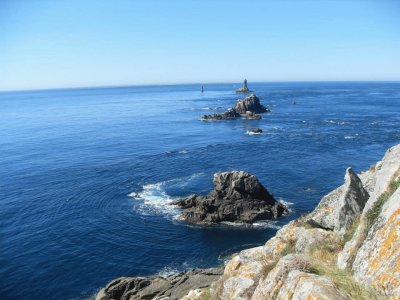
(237, 197)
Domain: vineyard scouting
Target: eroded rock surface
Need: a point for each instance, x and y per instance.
(377, 262)
(171, 287)
(237, 197)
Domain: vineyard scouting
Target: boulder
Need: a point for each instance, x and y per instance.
(171, 287)
(237, 197)
(341, 207)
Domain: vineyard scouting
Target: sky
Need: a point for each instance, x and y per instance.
(75, 43)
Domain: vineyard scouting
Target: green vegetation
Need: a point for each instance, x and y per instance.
(290, 247)
(323, 262)
(350, 231)
(205, 295)
(375, 211)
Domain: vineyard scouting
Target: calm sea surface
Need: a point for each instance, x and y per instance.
(86, 174)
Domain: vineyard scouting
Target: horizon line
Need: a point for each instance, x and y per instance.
(177, 84)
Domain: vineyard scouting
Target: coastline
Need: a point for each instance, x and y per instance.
(305, 255)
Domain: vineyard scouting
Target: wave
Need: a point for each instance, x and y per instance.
(336, 122)
(348, 137)
(154, 200)
(209, 108)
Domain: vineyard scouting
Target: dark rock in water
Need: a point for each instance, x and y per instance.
(230, 114)
(237, 197)
(244, 88)
(171, 287)
(250, 104)
(249, 107)
(256, 130)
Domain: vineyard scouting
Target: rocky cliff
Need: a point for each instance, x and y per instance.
(347, 248)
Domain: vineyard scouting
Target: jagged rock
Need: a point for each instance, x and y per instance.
(375, 181)
(273, 282)
(171, 287)
(299, 285)
(377, 262)
(244, 88)
(250, 104)
(230, 114)
(237, 197)
(338, 210)
(249, 107)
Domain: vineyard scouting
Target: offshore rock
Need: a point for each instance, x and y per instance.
(250, 104)
(171, 287)
(230, 114)
(341, 207)
(237, 197)
(249, 108)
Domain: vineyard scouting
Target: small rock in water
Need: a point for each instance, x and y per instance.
(255, 130)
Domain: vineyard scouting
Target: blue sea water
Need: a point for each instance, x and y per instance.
(86, 174)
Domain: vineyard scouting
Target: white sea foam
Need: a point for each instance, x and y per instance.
(335, 122)
(154, 200)
(260, 224)
(348, 137)
(249, 132)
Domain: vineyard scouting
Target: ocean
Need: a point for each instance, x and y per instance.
(86, 174)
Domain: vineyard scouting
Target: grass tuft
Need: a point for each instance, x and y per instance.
(374, 212)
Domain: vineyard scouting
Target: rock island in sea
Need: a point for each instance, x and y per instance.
(347, 248)
(248, 107)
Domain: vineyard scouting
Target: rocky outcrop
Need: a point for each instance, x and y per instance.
(237, 197)
(249, 108)
(250, 104)
(377, 262)
(376, 181)
(230, 114)
(301, 260)
(341, 207)
(306, 258)
(174, 286)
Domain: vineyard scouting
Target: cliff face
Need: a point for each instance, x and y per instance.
(347, 248)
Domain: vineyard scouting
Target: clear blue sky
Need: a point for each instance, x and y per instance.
(67, 43)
